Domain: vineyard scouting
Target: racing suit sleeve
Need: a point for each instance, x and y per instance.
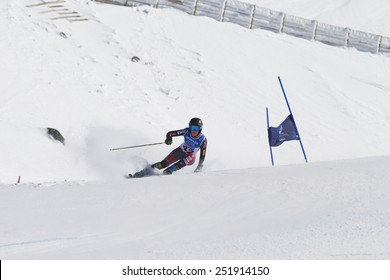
(202, 157)
(174, 133)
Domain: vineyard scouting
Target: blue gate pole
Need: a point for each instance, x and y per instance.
(289, 109)
(270, 148)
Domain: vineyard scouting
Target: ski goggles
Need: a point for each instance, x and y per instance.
(195, 127)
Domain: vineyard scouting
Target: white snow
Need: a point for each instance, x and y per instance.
(78, 77)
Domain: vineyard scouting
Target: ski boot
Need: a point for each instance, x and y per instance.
(147, 171)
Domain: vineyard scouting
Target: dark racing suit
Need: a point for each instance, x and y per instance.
(184, 154)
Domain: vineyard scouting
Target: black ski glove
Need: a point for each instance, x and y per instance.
(168, 141)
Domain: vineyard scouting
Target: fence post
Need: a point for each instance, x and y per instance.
(223, 10)
(252, 16)
(195, 7)
(282, 23)
(347, 37)
(126, 3)
(315, 30)
(157, 3)
(379, 44)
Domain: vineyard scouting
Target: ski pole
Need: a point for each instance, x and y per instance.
(136, 146)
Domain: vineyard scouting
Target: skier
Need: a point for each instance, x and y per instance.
(184, 154)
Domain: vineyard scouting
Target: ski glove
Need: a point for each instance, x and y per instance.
(198, 169)
(168, 141)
